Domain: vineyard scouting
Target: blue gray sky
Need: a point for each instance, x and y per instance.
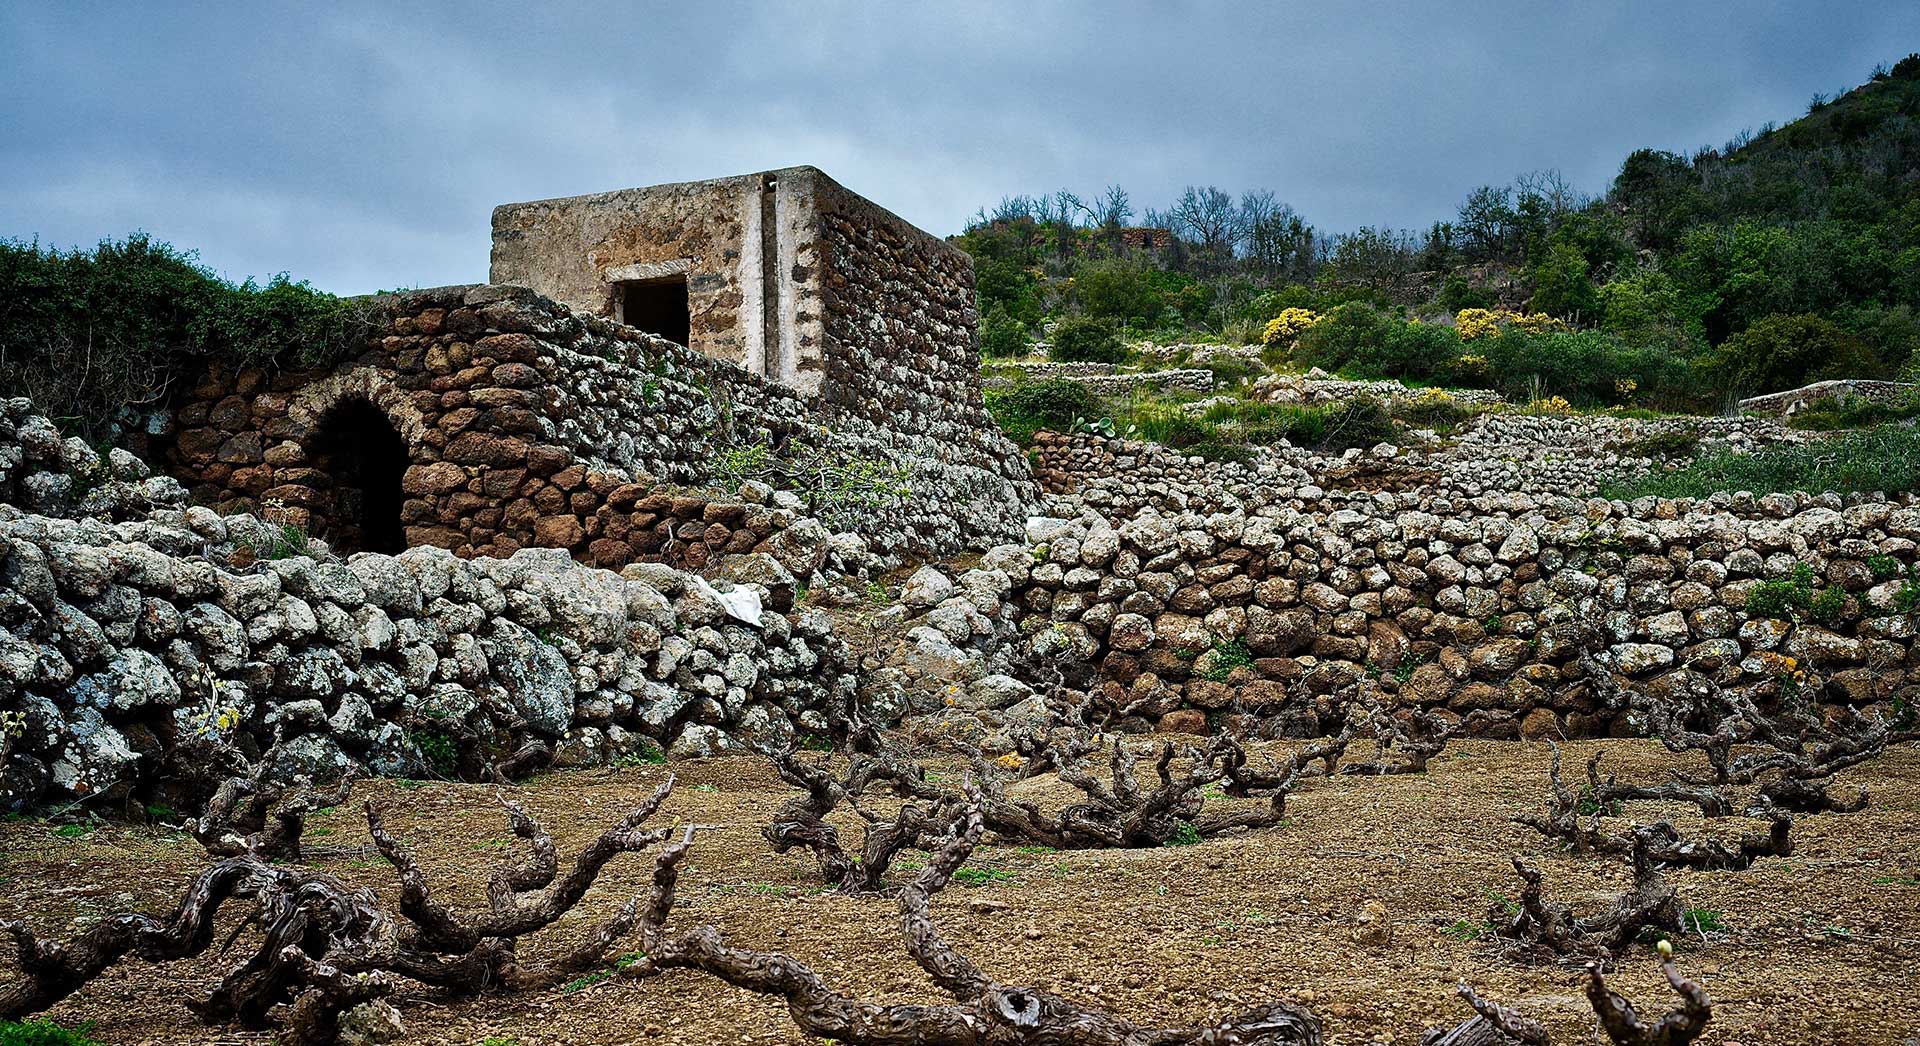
(362, 146)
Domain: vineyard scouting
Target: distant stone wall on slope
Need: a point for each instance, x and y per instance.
(520, 423)
(1795, 400)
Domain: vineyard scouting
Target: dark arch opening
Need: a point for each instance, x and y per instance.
(364, 456)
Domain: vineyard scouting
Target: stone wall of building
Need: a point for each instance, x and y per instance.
(526, 424)
(899, 317)
(575, 249)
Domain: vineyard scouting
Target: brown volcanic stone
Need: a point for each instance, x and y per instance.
(543, 460)
(1263, 695)
(441, 477)
(1539, 724)
(442, 537)
(1182, 721)
(607, 552)
(1209, 694)
(557, 531)
(480, 448)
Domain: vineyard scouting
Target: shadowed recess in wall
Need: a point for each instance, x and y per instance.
(364, 456)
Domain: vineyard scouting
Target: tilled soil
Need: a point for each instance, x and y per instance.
(1822, 947)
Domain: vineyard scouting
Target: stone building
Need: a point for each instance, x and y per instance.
(785, 274)
(627, 341)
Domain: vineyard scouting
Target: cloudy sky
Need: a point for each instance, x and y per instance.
(362, 146)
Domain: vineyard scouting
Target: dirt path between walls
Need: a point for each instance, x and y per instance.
(1823, 947)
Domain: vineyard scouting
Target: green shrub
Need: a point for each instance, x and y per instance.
(438, 751)
(1585, 367)
(94, 335)
(1669, 443)
(1829, 607)
(1030, 407)
(1001, 335)
(1359, 422)
(1439, 412)
(1786, 352)
(1886, 459)
(43, 1032)
(1226, 429)
(1228, 370)
(1782, 597)
(1883, 568)
(1456, 294)
(1223, 659)
(1004, 284)
(1118, 291)
(1084, 339)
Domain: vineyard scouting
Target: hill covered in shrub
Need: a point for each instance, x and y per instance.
(1789, 254)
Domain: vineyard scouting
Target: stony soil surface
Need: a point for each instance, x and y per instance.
(1819, 948)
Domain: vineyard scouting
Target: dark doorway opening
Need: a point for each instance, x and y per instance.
(657, 307)
(365, 457)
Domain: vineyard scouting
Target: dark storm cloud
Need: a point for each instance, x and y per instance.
(363, 146)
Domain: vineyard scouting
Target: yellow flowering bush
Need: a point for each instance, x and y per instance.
(1289, 325)
(1472, 367)
(1534, 322)
(1477, 323)
(1556, 405)
(1487, 323)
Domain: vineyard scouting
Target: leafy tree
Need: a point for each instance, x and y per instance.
(1785, 352)
(1657, 190)
(1005, 284)
(1002, 335)
(1086, 339)
(1560, 284)
(1119, 291)
(1376, 259)
(1485, 223)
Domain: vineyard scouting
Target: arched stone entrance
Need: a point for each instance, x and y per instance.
(364, 456)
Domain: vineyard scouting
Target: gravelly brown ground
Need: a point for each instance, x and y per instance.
(1820, 948)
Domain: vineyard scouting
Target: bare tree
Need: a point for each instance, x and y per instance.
(984, 1011)
(1537, 929)
(1208, 217)
(1496, 1025)
(326, 947)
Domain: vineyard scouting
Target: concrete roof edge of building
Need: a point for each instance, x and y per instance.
(798, 170)
(632, 190)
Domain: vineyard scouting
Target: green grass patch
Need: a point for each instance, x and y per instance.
(968, 875)
(1886, 459)
(43, 1032)
(1703, 920)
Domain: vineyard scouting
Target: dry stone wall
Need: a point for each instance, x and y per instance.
(1466, 604)
(524, 424)
(145, 645)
